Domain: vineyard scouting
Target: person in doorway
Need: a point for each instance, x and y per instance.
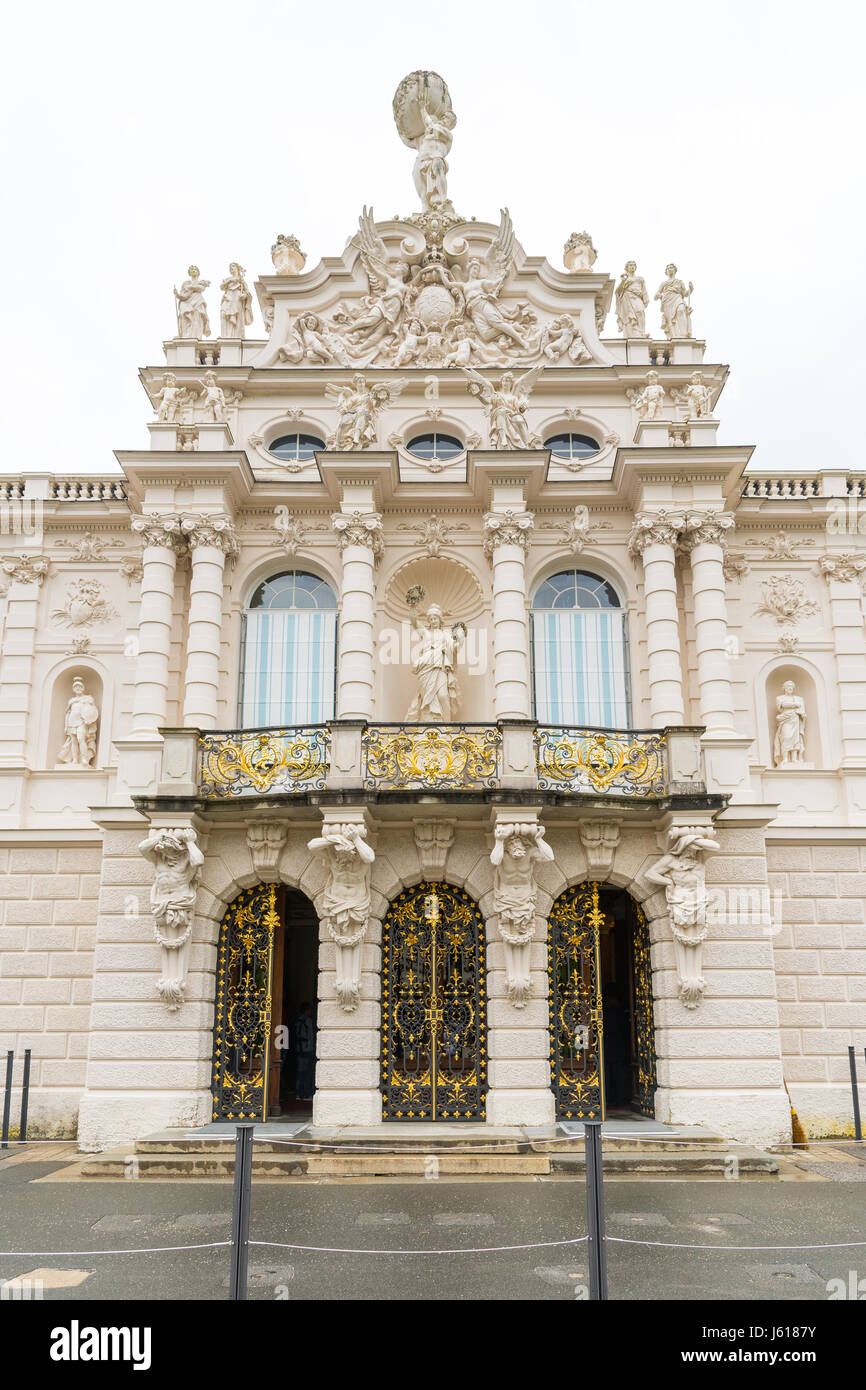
(305, 1053)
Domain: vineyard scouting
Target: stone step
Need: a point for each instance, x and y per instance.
(204, 1163)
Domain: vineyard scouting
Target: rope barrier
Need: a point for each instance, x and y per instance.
(145, 1250)
(479, 1250)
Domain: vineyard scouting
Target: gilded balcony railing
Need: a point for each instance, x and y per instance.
(603, 761)
(263, 761)
(434, 757)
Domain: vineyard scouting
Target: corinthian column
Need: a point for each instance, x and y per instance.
(162, 539)
(211, 539)
(704, 538)
(359, 534)
(506, 536)
(654, 538)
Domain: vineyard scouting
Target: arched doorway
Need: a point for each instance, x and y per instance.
(265, 1019)
(602, 1040)
(434, 1017)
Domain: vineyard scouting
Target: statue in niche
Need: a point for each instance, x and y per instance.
(631, 302)
(79, 725)
(344, 906)
(236, 309)
(170, 400)
(516, 851)
(438, 696)
(358, 406)
(506, 405)
(676, 309)
(789, 745)
(425, 121)
(192, 319)
(177, 861)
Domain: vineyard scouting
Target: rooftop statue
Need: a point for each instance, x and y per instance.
(236, 309)
(675, 305)
(192, 319)
(425, 120)
(631, 302)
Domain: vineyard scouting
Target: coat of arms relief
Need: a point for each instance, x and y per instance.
(434, 281)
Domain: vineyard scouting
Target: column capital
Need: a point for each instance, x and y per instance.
(157, 528)
(660, 527)
(217, 531)
(507, 528)
(706, 527)
(359, 528)
(843, 568)
(25, 568)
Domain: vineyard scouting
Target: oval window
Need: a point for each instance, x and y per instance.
(435, 446)
(572, 446)
(295, 448)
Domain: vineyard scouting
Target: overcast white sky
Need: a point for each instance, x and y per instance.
(726, 136)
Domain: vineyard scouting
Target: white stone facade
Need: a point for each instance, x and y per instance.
(138, 583)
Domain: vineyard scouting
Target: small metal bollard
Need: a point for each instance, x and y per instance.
(240, 1254)
(7, 1099)
(595, 1211)
(25, 1097)
(852, 1062)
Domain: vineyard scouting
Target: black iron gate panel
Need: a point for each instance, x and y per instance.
(434, 1042)
(575, 1024)
(643, 1026)
(245, 959)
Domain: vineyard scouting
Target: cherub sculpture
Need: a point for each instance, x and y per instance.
(562, 336)
(506, 405)
(649, 403)
(212, 396)
(358, 405)
(170, 400)
(344, 904)
(695, 399)
(516, 851)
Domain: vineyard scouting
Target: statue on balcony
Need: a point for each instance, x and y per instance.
(789, 745)
(438, 697)
(516, 851)
(344, 904)
(177, 860)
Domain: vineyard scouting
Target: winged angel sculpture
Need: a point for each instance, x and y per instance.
(506, 405)
(430, 314)
(358, 406)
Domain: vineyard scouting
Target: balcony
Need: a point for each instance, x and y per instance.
(374, 761)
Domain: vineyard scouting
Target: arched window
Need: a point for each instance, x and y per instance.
(579, 652)
(289, 652)
(572, 446)
(295, 448)
(435, 446)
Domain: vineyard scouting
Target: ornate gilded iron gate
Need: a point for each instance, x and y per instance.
(575, 1004)
(245, 957)
(643, 1027)
(434, 1043)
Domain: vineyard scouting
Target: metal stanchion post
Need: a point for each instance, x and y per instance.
(852, 1062)
(25, 1097)
(7, 1099)
(241, 1210)
(595, 1210)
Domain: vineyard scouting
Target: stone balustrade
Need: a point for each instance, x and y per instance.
(368, 759)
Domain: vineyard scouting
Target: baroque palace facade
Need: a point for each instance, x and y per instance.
(436, 668)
